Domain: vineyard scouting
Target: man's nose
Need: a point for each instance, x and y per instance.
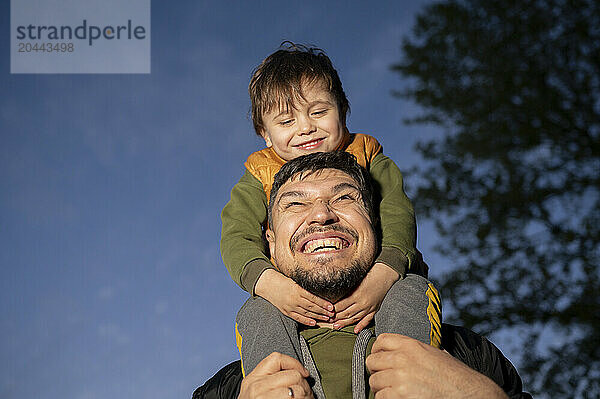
(322, 214)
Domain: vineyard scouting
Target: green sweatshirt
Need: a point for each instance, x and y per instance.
(244, 249)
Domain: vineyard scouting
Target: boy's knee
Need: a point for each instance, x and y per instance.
(410, 287)
(257, 308)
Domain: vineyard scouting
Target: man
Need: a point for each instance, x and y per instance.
(321, 234)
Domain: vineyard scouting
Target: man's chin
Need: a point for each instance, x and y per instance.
(330, 260)
(330, 282)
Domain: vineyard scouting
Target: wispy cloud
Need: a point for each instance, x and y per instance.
(114, 332)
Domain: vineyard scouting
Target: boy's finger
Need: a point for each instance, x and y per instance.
(348, 313)
(318, 301)
(312, 315)
(342, 323)
(313, 307)
(364, 322)
(307, 321)
(344, 304)
(352, 319)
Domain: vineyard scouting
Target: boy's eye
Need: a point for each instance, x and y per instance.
(319, 112)
(286, 122)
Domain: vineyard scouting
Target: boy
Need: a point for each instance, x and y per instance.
(299, 107)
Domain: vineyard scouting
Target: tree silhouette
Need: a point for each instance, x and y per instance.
(514, 185)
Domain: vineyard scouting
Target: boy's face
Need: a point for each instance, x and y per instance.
(313, 125)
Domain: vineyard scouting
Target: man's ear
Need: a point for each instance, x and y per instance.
(270, 236)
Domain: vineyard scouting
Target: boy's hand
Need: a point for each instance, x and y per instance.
(360, 307)
(291, 299)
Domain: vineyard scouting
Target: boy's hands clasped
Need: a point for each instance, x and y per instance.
(295, 302)
(291, 299)
(360, 307)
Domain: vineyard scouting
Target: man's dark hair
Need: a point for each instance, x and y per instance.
(278, 80)
(311, 163)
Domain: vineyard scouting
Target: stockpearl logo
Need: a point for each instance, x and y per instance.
(80, 36)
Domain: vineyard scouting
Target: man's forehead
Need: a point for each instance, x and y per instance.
(322, 180)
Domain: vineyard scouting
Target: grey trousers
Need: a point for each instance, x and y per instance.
(406, 309)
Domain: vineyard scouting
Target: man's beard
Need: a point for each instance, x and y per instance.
(329, 283)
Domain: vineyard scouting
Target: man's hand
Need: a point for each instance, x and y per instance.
(360, 307)
(274, 376)
(402, 367)
(291, 299)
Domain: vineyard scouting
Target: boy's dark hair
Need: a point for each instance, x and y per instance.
(311, 163)
(278, 80)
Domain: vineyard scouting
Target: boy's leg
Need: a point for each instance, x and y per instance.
(411, 307)
(262, 329)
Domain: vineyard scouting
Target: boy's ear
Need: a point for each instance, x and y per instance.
(267, 139)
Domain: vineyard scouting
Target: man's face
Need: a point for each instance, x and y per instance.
(313, 125)
(321, 232)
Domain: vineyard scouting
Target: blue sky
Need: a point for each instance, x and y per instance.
(111, 282)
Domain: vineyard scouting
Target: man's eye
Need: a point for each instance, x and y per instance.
(295, 204)
(345, 197)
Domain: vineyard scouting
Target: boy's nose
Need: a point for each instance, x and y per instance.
(322, 214)
(306, 126)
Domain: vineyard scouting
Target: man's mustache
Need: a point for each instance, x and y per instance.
(321, 229)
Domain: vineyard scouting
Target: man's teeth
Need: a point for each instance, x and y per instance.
(325, 244)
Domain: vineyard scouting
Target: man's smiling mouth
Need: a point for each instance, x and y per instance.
(318, 239)
(324, 245)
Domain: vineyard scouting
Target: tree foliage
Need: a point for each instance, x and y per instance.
(514, 185)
